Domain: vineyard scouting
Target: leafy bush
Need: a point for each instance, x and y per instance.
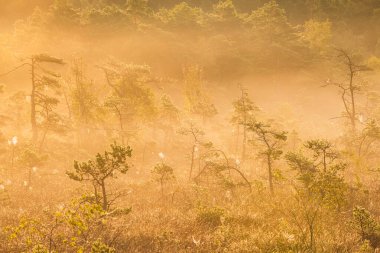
(367, 227)
(210, 216)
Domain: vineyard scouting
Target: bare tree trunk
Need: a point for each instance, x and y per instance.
(244, 142)
(353, 108)
(104, 194)
(96, 194)
(270, 175)
(244, 128)
(324, 162)
(33, 120)
(311, 230)
(192, 162)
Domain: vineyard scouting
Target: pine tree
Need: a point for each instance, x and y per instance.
(43, 100)
(244, 110)
(101, 169)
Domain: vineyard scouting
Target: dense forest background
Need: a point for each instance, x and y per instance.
(256, 42)
(189, 126)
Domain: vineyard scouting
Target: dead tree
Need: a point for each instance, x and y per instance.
(349, 88)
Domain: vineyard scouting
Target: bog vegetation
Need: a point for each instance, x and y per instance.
(190, 126)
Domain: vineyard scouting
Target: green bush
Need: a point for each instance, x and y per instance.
(210, 216)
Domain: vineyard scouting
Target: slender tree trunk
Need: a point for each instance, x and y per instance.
(270, 175)
(121, 128)
(192, 162)
(96, 194)
(67, 102)
(352, 95)
(104, 194)
(244, 142)
(353, 116)
(33, 120)
(311, 230)
(244, 128)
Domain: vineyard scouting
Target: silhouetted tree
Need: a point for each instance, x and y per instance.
(271, 141)
(350, 88)
(130, 98)
(162, 173)
(195, 134)
(102, 168)
(244, 110)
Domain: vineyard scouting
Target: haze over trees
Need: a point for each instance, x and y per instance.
(189, 126)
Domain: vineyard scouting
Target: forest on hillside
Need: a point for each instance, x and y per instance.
(190, 126)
